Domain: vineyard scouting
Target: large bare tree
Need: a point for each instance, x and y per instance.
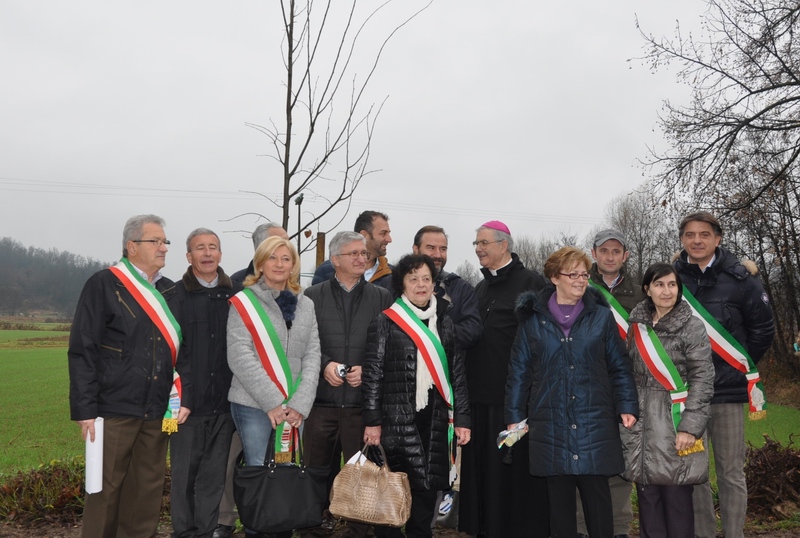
(744, 115)
(322, 141)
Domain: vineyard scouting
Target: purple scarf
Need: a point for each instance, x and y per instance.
(565, 314)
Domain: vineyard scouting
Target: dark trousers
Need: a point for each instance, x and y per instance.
(198, 455)
(325, 430)
(666, 511)
(134, 465)
(423, 504)
(596, 498)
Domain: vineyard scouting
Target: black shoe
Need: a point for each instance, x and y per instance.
(620, 536)
(223, 531)
(583, 535)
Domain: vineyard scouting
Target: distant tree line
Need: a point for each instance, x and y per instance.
(38, 280)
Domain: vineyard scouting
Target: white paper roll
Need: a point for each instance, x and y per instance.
(94, 459)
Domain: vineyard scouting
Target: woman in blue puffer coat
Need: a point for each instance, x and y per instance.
(570, 376)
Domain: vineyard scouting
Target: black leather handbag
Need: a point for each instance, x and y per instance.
(278, 497)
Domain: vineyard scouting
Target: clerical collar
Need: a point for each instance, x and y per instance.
(494, 271)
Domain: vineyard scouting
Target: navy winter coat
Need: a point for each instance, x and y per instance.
(737, 300)
(572, 389)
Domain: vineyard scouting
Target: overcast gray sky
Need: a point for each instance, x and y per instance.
(527, 112)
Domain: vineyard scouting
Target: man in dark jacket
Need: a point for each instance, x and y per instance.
(374, 226)
(736, 299)
(199, 450)
(499, 497)
(608, 272)
(344, 305)
(121, 362)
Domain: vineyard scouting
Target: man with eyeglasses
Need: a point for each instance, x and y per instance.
(122, 352)
(374, 226)
(499, 497)
(199, 449)
(608, 274)
(344, 305)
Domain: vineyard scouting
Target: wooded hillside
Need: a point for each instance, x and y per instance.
(42, 281)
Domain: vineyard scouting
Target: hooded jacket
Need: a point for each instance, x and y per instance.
(649, 447)
(737, 300)
(389, 388)
(203, 315)
(572, 389)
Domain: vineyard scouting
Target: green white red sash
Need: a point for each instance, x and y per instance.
(432, 351)
(271, 353)
(154, 305)
(732, 352)
(662, 368)
(620, 314)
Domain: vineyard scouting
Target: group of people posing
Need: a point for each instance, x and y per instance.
(615, 382)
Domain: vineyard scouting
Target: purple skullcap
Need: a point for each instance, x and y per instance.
(496, 225)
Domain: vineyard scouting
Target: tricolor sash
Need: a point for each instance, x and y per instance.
(662, 368)
(272, 355)
(620, 314)
(732, 352)
(432, 351)
(154, 305)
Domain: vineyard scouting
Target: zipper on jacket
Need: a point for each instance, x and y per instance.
(111, 348)
(123, 303)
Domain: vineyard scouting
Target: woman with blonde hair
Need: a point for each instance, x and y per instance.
(272, 332)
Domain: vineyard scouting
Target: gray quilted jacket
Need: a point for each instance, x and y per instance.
(649, 447)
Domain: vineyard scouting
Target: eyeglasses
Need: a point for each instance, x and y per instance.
(576, 276)
(156, 242)
(355, 254)
(484, 243)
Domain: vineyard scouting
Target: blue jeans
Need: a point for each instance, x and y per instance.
(255, 429)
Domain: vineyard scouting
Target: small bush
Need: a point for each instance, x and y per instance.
(773, 480)
(52, 495)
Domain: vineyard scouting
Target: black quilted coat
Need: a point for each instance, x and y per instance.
(389, 389)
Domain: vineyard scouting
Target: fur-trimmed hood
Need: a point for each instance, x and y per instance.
(722, 253)
(531, 301)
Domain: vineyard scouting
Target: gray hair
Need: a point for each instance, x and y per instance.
(262, 232)
(201, 231)
(134, 228)
(500, 236)
(344, 238)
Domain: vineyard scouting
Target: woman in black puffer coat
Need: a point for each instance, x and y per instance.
(403, 408)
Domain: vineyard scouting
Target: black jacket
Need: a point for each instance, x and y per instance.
(737, 300)
(238, 277)
(382, 276)
(119, 363)
(487, 362)
(464, 311)
(343, 339)
(203, 315)
(389, 387)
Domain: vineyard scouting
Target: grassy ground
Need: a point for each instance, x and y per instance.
(34, 387)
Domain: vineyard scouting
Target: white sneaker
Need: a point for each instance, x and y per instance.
(447, 503)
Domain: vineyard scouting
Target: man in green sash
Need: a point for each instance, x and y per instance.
(608, 274)
(734, 299)
(122, 346)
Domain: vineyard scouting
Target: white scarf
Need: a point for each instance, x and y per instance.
(424, 379)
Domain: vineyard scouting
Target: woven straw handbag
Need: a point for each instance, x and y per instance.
(368, 493)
